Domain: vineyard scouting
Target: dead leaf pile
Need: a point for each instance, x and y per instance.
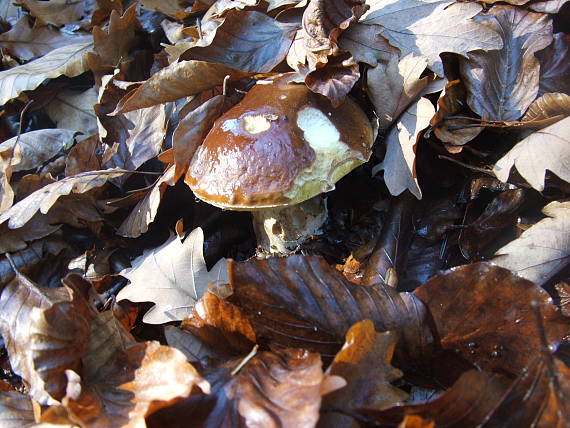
(436, 292)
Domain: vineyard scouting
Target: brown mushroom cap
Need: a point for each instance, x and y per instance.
(281, 145)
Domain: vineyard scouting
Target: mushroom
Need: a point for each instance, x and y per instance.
(275, 153)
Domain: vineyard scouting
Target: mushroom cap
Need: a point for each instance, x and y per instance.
(281, 145)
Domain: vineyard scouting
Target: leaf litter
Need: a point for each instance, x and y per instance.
(433, 295)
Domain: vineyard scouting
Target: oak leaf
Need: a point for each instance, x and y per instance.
(173, 276)
(428, 28)
(55, 12)
(546, 149)
(543, 249)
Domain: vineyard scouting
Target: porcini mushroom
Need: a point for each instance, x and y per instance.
(274, 153)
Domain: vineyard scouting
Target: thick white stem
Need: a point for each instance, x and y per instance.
(282, 230)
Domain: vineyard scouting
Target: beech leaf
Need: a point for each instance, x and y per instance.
(399, 164)
(554, 71)
(72, 110)
(55, 12)
(485, 314)
(69, 60)
(173, 276)
(428, 28)
(16, 410)
(543, 249)
(541, 150)
(248, 41)
(29, 41)
(46, 332)
(44, 198)
(178, 80)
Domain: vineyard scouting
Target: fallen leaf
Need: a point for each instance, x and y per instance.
(173, 276)
(70, 60)
(28, 42)
(8, 156)
(143, 142)
(399, 162)
(364, 362)
(501, 84)
(113, 44)
(173, 8)
(44, 198)
(145, 211)
(335, 78)
(55, 12)
(485, 314)
(480, 234)
(365, 44)
(221, 325)
(547, 6)
(178, 80)
(428, 28)
(541, 150)
(451, 102)
(72, 110)
(249, 41)
(549, 106)
(37, 147)
(16, 410)
(281, 389)
(304, 302)
(393, 86)
(466, 404)
(191, 346)
(125, 391)
(84, 156)
(554, 71)
(543, 249)
(46, 332)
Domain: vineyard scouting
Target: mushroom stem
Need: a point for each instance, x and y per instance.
(282, 230)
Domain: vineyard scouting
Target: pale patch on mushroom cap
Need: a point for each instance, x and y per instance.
(281, 145)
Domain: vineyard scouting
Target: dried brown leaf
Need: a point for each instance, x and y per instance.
(501, 84)
(221, 325)
(365, 44)
(177, 9)
(548, 106)
(364, 362)
(547, 6)
(191, 346)
(428, 28)
(69, 60)
(173, 276)
(335, 78)
(143, 141)
(178, 80)
(7, 157)
(46, 332)
(249, 41)
(145, 211)
(302, 301)
(27, 42)
(485, 314)
(37, 147)
(44, 198)
(451, 103)
(16, 410)
(142, 378)
(399, 164)
(541, 150)
(554, 70)
(393, 86)
(543, 249)
(281, 389)
(55, 12)
(113, 44)
(466, 404)
(72, 110)
(84, 156)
